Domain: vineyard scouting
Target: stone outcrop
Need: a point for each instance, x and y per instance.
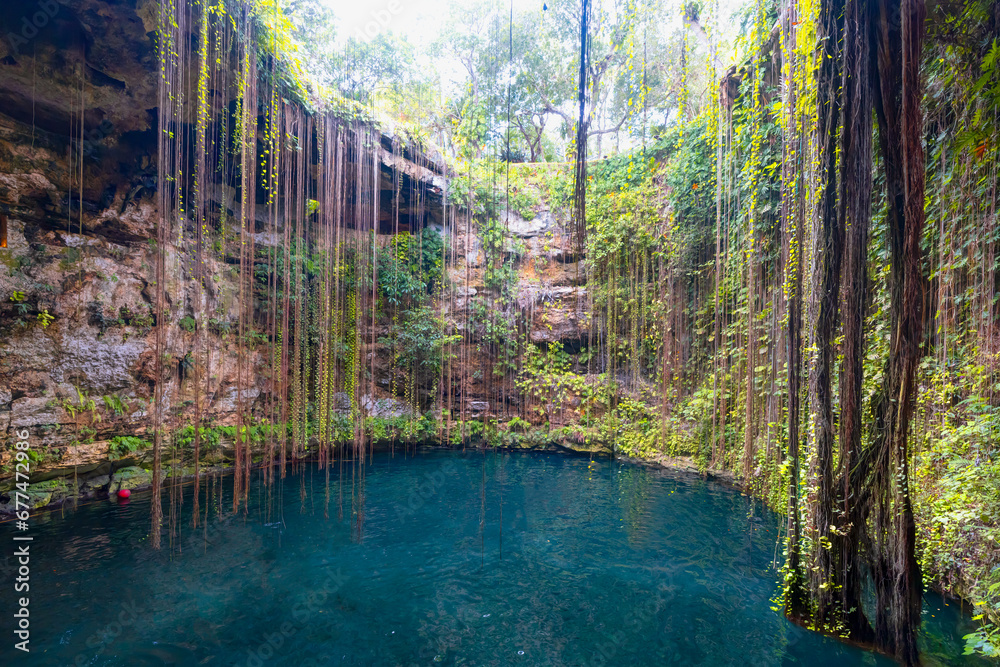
(78, 179)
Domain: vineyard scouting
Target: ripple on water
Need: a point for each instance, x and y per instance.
(593, 564)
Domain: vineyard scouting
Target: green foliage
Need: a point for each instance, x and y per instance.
(475, 190)
(689, 426)
(275, 37)
(361, 70)
(516, 424)
(115, 404)
(208, 437)
(105, 319)
(471, 130)
(623, 217)
(84, 403)
(421, 429)
(187, 323)
(220, 328)
(547, 380)
(500, 275)
(253, 338)
(419, 342)
(633, 427)
(522, 201)
(70, 258)
(45, 318)
(413, 429)
(253, 434)
(410, 268)
(690, 177)
(122, 446)
(957, 490)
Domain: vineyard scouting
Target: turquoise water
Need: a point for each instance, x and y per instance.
(592, 563)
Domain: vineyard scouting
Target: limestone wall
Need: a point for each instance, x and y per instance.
(77, 324)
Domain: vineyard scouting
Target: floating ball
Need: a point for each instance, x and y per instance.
(124, 493)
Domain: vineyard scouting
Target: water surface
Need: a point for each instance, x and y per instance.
(456, 559)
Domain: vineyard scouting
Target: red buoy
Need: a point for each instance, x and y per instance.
(124, 493)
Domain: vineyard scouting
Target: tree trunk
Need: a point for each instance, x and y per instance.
(855, 212)
(881, 476)
(826, 294)
(907, 591)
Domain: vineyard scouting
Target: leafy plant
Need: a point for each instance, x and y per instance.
(85, 404)
(208, 437)
(122, 446)
(410, 268)
(419, 342)
(115, 404)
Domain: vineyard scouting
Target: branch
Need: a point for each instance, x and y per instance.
(549, 108)
(617, 127)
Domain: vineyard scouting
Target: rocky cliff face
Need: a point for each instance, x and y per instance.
(78, 88)
(78, 108)
(550, 280)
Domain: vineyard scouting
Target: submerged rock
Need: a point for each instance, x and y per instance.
(133, 477)
(40, 494)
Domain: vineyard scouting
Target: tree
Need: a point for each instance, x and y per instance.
(611, 27)
(359, 70)
(364, 69)
(541, 73)
(863, 523)
(882, 473)
(826, 294)
(316, 30)
(855, 215)
(527, 63)
(466, 39)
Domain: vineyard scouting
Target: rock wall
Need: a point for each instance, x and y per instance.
(78, 174)
(77, 159)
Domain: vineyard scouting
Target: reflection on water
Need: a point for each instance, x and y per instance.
(592, 563)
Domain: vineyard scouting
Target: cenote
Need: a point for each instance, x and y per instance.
(457, 558)
(563, 242)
